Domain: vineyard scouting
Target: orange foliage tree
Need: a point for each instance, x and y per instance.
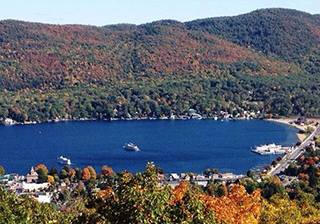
(106, 193)
(179, 192)
(236, 207)
(89, 173)
(86, 174)
(42, 167)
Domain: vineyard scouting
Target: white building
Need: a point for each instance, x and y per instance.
(32, 177)
(28, 187)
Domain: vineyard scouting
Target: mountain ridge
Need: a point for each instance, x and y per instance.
(283, 33)
(89, 54)
(267, 61)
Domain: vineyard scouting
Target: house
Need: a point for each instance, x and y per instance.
(202, 183)
(201, 177)
(226, 176)
(8, 122)
(43, 197)
(174, 176)
(301, 121)
(215, 176)
(32, 177)
(8, 178)
(29, 187)
(194, 115)
(185, 176)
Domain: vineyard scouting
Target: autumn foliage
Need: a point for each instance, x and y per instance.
(50, 179)
(236, 207)
(179, 192)
(106, 193)
(38, 55)
(89, 173)
(41, 166)
(86, 174)
(141, 198)
(106, 170)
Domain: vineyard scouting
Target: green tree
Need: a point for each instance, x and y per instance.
(17, 209)
(141, 199)
(42, 175)
(272, 186)
(2, 171)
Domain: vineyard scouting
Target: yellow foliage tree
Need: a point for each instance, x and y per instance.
(71, 172)
(50, 179)
(280, 210)
(93, 174)
(236, 207)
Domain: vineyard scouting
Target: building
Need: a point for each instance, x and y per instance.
(8, 122)
(174, 176)
(33, 187)
(32, 177)
(301, 121)
(44, 197)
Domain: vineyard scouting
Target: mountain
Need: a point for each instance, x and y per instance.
(37, 55)
(267, 60)
(283, 33)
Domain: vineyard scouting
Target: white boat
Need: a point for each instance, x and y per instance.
(271, 149)
(64, 160)
(131, 147)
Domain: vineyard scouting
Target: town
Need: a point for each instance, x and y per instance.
(48, 186)
(190, 114)
(47, 191)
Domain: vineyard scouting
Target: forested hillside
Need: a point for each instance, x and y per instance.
(287, 34)
(267, 60)
(38, 55)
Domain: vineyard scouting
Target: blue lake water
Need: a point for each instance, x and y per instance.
(175, 146)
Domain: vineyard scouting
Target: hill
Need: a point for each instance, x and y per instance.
(267, 60)
(37, 55)
(285, 33)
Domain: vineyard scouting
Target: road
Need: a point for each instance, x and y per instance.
(294, 154)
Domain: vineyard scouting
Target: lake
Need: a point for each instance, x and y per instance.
(175, 146)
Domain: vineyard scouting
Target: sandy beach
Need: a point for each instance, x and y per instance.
(291, 121)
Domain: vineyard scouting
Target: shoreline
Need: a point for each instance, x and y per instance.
(286, 120)
(125, 119)
(290, 121)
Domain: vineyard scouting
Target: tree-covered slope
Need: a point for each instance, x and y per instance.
(287, 34)
(260, 61)
(37, 55)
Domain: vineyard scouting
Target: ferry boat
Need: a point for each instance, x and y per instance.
(131, 147)
(64, 161)
(270, 149)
